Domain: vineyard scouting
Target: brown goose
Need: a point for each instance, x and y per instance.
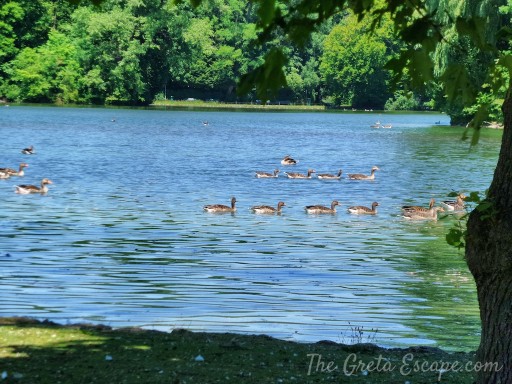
(28, 151)
(260, 174)
(13, 172)
(330, 176)
(288, 160)
(360, 176)
(316, 209)
(430, 214)
(454, 206)
(294, 175)
(26, 189)
(361, 210)
(415, 208)
(268, 209)
(219, 208)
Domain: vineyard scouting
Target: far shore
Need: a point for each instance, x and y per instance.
(280, 106)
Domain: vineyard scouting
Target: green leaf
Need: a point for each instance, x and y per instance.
(457, 84)
(266, 11)
(506, 62)
(268, 78)
(474, 27)
(455, 237)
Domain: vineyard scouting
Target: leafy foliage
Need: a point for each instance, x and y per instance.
(456, 235)
(128, 51)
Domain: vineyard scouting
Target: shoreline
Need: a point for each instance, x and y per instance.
(215, 105)
(43, 351)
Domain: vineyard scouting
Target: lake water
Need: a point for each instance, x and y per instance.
(121, 238)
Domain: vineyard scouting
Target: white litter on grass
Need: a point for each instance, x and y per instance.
(108, 358)
(199, 358)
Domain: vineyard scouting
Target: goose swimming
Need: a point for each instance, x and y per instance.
(28, 151)
(13, 172)
(430, 214)
(219, 208)
(260, 174)
(454, 206)
(268, 209)
(361, 210)
(287, 160)
(330, 176)
(318, 209)
(25, 189)
(360, 176)
(294, 175)
(415, 208)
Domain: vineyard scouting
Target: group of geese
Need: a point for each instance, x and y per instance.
(25, 189)
(312, 209)
(430, 213)
(287, 160)
(409, 212)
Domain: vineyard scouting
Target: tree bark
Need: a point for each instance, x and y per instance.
(489, 257)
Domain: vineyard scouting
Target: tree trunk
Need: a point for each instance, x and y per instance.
(489, 257)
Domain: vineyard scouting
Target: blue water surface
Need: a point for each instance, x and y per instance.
(121, 237)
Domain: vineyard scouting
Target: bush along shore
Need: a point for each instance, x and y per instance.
(32, 351)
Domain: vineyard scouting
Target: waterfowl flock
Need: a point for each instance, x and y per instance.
(25, 189)
(409, 212)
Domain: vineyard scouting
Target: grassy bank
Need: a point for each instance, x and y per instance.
(234, 106)
(44, 352)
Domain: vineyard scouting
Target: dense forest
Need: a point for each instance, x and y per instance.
(133, 52)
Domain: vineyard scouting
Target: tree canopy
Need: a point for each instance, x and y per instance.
(133, 52)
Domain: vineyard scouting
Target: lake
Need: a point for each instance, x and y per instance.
(121, 237)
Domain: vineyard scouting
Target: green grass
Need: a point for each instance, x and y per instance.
(43, 352)
(234, 106)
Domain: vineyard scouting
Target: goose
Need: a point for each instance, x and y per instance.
(221, 208)
(13, 172)
(4, 175)
(288, 160)
(314, 209)
(430, 214)
(415, 208)
(453, 206)
(260, 174)
(360, 176)
(268, 209)
(330, 176)
(28, 150)
(26, 189)
(360, 210)
(294, 175)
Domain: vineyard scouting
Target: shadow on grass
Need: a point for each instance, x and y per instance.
(44, 352)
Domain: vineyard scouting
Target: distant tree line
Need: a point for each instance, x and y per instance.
(132, 52)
